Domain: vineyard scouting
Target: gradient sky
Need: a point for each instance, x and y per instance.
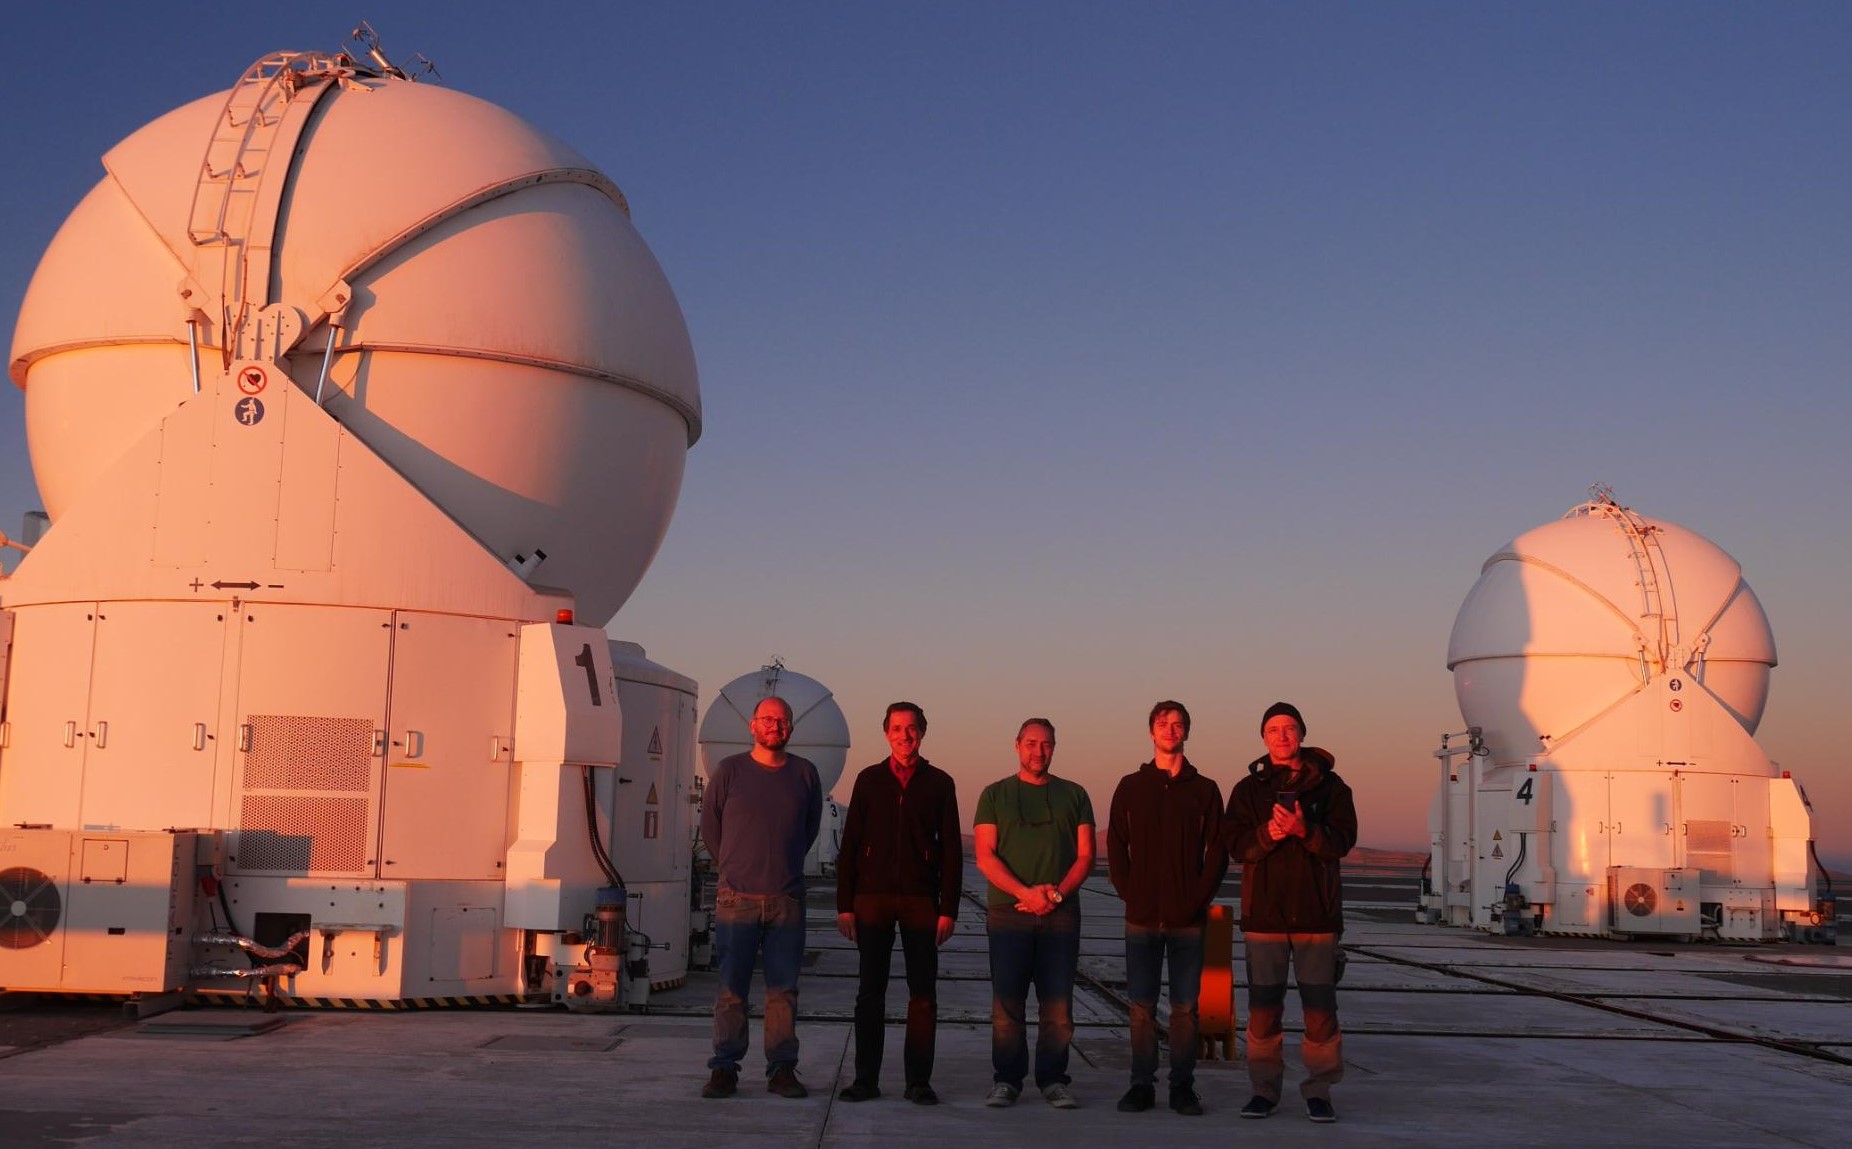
(1061, 357)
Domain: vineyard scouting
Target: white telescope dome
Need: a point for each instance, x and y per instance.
(506, 340)
(819, 731)
(1572, 617)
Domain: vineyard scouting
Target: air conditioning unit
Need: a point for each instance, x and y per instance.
(1642, 901)
(96, 911)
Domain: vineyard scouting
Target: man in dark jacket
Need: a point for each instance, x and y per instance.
(1167, 857)
(1289, 821)
(901, 867)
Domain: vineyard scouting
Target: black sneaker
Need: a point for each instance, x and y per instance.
(921, 1095)
(1138, 1098)
(1319, 1110)
(860, 1091)
(720, 1083)
(1184, 1100)
(784, 1083)
(1257, 1107)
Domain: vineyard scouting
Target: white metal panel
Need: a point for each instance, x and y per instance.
(311, 681)
(1642, 821)
(566, 704)
(154, 703)
(48, 711)
(131, 912)
(1580, 807)
(449, 751)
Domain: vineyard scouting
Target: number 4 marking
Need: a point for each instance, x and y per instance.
(1526, 792)
(591, 673)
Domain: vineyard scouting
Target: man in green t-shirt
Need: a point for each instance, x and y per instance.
(1035, 843)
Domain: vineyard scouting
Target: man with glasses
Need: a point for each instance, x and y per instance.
(759, 817)
(1164, 847)
(1034, 835)
(901, 867)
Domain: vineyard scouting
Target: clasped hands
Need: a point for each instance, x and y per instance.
(1040, 900)
(1287, 822)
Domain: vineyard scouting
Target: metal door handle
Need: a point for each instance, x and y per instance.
(199, 735)
(70, 734)
(244, 737)
(414, 744)
(102, 735)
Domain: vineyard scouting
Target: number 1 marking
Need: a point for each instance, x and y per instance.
(591, 673)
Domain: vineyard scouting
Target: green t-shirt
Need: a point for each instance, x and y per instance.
(1036, 828)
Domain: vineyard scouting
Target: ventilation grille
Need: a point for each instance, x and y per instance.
(1708, 848)
(305, 801)
(302, 834)
(292, 752)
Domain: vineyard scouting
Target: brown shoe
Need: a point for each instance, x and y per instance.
(720, 1083)
(784, 1083)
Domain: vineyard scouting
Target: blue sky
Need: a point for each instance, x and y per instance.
(1058, 358)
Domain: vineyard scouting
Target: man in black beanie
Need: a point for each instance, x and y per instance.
(1289, 821)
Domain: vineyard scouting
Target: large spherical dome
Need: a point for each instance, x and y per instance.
(819, 731)
(1572, 617)
(507, 341)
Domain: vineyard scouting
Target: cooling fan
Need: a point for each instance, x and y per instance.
(29, 907)
(1640, 899)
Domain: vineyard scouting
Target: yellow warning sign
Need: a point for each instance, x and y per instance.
(1498, 835)
(652, 800)
(655, 742)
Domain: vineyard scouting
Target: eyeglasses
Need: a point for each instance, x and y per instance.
(781, 722)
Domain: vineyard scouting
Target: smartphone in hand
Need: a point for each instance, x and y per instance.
(1287, 798)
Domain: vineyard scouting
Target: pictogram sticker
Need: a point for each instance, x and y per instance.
(251, 381)
(655, 742)
(652, 800)
(250, 411)
(1677, 705)
(652, 824)
(1498, 851)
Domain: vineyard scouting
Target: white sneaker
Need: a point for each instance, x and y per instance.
(1060, 1097)
(1002, 1095)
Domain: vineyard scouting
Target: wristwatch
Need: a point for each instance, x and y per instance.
(1056, 897)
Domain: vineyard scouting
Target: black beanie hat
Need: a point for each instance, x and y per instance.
(1285, 708)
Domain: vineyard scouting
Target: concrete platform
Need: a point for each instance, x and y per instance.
(1454, 1039)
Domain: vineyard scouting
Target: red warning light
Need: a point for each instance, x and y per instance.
(564, 617)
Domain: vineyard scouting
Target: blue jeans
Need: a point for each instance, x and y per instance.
(1044, 952)
(1146, 948)
(745, 924)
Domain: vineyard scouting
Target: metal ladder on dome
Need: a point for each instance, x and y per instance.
(248, 135)
(1648, 560)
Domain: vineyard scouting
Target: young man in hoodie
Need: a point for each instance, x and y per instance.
(1167, 857)
(901, 867)
(1289, 821)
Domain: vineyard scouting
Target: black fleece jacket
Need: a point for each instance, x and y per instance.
(1292, 886)
(1164, 845)
(902, 839)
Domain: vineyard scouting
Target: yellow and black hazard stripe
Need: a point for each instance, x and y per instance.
(292, 1001)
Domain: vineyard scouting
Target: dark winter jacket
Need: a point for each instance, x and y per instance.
(1164, 845)
(1292, 886)
(902, 840)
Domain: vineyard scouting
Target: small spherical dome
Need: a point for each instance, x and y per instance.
(819, 731)
(1570, 618)
(508, 343)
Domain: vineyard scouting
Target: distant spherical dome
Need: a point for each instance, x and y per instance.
(819, 731)
(1570, 618)
(509, 343)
